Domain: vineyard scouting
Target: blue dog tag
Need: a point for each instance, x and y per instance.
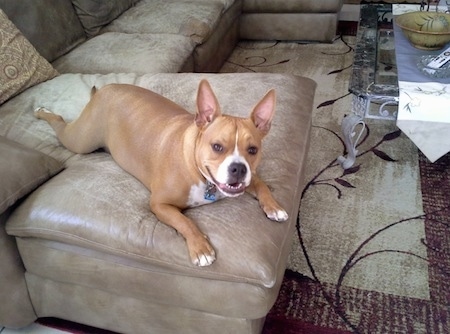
(210, 191)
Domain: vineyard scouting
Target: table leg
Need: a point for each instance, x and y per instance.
(349, 128)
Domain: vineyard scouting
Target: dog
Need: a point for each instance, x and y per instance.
(184, 159)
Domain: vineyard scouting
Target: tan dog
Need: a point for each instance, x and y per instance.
(185, 160)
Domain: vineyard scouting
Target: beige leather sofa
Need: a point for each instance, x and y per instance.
(292, 20)
(78, 240)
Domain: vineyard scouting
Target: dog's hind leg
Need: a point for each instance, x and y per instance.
(78, 136)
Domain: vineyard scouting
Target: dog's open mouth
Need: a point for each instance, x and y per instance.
(231, 189)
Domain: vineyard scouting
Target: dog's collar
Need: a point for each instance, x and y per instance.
(210, 191)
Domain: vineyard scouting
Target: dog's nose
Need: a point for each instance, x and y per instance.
(237, 170)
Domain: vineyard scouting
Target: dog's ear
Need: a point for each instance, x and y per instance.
(263, 112)
(207, 105)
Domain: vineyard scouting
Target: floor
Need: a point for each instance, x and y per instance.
(32, 329)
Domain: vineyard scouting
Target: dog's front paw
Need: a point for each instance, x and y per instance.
(201, 252)
(277, 214)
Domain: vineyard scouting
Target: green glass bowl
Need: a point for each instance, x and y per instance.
(425, 30)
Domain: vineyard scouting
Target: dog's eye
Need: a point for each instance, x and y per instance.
(252, 150)
(217, 148)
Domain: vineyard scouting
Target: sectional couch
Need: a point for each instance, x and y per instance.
(78, 240)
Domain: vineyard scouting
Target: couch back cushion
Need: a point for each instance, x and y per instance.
(51, 26)
(95, 14)
(22, 169)
(292, 6)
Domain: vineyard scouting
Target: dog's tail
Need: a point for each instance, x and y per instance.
(93, 91)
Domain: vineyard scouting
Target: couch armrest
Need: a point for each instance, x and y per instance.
(16, 310)
(21, 171)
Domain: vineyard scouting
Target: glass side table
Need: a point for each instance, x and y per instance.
(374, 82)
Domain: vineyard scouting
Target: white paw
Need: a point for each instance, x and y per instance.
(41, 110)
(200, 250)
(205, 260)
(278, 215)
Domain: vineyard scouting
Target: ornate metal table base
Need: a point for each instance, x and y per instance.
(349, 126)
(361, 108)
(374, 78)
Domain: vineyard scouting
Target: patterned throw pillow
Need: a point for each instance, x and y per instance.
(21, 66)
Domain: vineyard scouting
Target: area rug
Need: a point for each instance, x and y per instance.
(372, 249)
(308, 305)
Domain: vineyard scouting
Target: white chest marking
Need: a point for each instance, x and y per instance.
(197, 195)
